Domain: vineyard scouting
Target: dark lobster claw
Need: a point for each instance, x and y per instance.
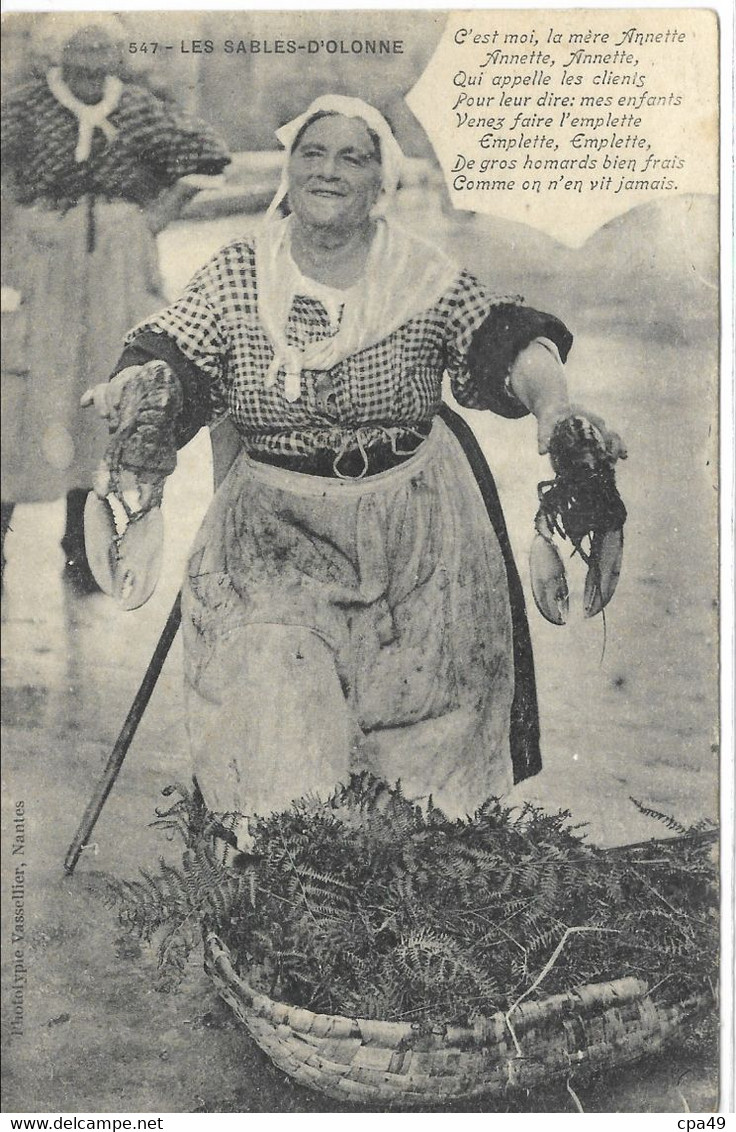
(549, 583)
(606, 554)
(581, 505)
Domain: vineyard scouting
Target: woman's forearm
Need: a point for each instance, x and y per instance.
(538, 380)
(169, 205)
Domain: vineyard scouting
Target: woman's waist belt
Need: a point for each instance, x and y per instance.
(354, 462)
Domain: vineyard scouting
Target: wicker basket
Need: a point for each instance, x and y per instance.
(401, 1066)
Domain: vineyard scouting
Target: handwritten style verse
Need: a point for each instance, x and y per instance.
(562, 120)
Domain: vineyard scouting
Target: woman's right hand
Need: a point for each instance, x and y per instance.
(106, 396)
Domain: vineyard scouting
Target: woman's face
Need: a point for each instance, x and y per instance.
(334, 174)
(85, 67)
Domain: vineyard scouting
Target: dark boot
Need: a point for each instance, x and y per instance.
(6, 514)
(77, 569)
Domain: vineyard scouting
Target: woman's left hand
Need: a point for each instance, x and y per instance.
(615, 446)
(538, 380)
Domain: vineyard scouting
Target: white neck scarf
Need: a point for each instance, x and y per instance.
(403, 276)
(90, 118)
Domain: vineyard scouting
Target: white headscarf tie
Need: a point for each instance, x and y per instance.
(403, 276)
(90, 118)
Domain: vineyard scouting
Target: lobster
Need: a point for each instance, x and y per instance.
(581, 504)
(125, 539)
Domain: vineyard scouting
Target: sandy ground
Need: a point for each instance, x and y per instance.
(636, 718)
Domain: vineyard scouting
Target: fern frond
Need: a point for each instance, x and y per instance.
(367, 904)
(657, 815)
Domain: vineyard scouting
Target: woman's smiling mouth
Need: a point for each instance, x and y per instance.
(326, 191)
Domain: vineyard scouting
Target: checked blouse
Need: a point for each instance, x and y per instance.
(382, 393)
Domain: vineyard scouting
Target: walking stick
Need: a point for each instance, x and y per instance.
(124, 739)
(225, 447)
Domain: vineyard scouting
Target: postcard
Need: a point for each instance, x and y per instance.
(360, 516)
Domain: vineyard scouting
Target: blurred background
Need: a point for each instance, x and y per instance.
(247, 94)
(656, 265)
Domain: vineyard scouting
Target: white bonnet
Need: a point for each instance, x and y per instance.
(392, 156)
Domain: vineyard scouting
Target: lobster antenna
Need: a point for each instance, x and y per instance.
(595, 566)
(605, 635)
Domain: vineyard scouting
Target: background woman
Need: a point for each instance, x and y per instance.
(350, 599)
(94, 167)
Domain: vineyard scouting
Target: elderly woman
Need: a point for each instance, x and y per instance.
(94, 167)
(350, 599)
